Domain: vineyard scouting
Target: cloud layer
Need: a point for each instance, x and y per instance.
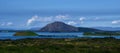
(40, 21)
(36, 18)
(6, 24)
(116, 22)
(72, 23)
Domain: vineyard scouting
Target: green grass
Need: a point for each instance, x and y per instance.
(25, 33)
(83, 45)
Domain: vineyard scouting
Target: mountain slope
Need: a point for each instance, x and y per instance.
(108, 28)
(59, 27)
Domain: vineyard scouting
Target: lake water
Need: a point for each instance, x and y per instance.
(9, 35)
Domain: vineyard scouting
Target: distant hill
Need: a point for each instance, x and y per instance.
(35, 29)
(85, 29)
(62, 27)
(108, 28)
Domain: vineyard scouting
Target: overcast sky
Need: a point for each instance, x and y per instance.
(38, 13)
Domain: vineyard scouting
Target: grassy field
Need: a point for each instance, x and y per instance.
(83, 45)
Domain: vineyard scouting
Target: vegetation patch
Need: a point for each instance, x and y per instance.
(25, 33)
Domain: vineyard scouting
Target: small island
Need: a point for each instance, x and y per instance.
(102, 33)
(25, 33)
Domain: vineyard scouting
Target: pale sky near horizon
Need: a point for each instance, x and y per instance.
(38, 13)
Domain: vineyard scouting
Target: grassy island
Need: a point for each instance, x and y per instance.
(83, 45)
(102, 33)
(25, 33)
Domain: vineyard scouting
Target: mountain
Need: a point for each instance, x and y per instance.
(108, 28)
(58, 27)
(62, 27)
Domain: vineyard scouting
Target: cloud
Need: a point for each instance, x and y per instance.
(31, 20)
(116, 22)
(97, 18)
(82, 19)
(61, 17)
(46, 19)
(72, 23)
(35, 19)
(9, 24)
(6, 24)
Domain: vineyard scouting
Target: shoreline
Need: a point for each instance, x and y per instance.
(57, 38)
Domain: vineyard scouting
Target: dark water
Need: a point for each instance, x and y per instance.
(9, 35)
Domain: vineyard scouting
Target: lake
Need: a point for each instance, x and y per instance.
(9, 35)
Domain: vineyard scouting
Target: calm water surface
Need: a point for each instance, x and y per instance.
(9, 35)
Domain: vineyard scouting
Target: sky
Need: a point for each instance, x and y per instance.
(21, 14)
